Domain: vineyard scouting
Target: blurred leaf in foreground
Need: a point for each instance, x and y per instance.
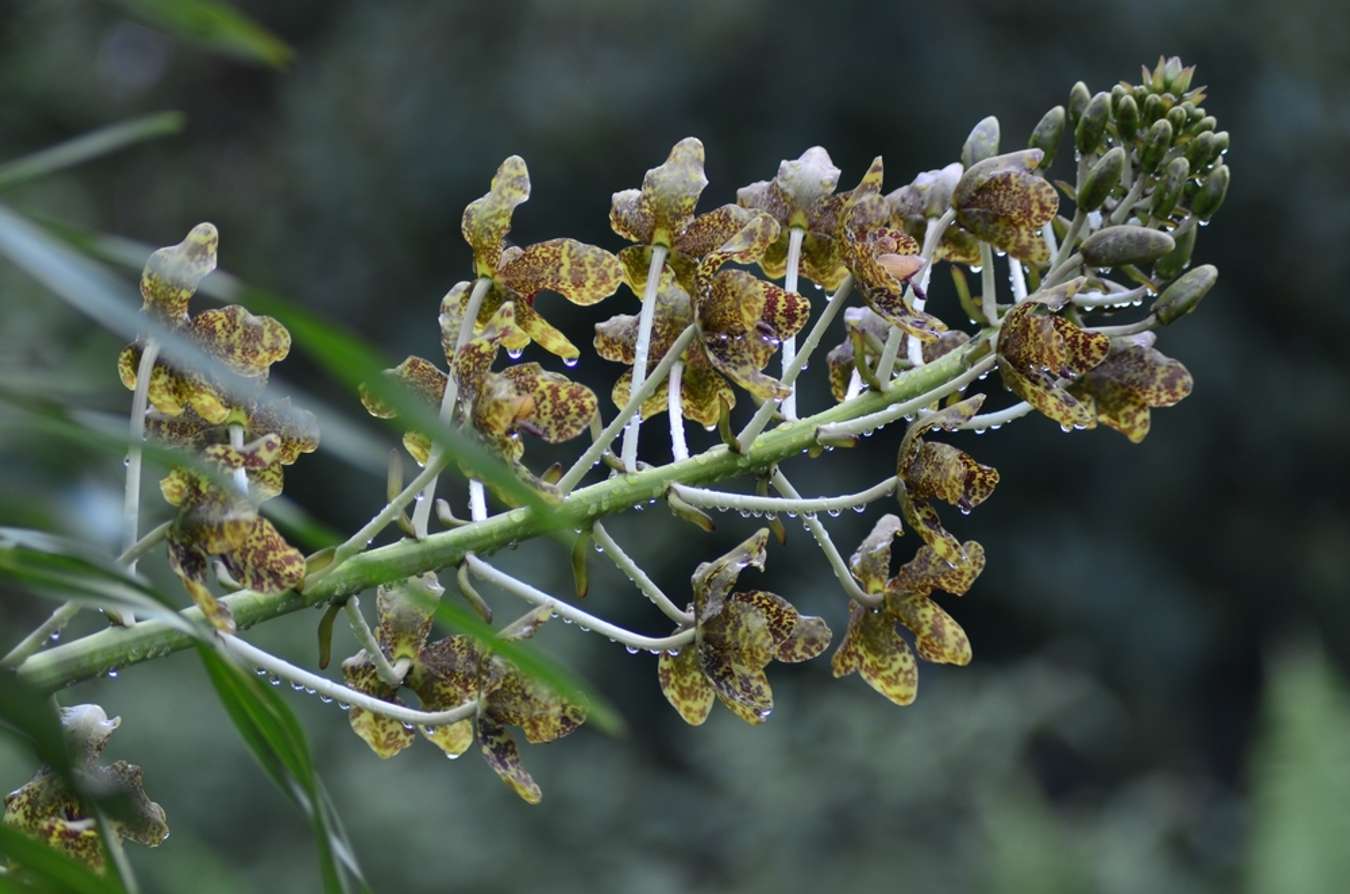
(214, 25)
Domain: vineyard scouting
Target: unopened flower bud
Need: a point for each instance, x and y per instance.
(1211, 195)
(1127, 118)
(1091, 127)
(1182, 296)
(1156, 144)
(1101, 178)
(1168, 191)
(1047, 134)
(1079, 97)
(1170, 265)
(1125, 244)
(982, 142)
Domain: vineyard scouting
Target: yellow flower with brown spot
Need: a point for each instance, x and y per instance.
(1041, 353)
(583, 274)
(662, 213)
(501, 405)
(882, 258)
(451, 672)
(46, 809)
(932, 471)
(866, 331)
(1003, 201)
(736, 636)
(245, 344)
(802, 196)
(741, 322)
(1134, 377)
(219, 521)
(871, 646)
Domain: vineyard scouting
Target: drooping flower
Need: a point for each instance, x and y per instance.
(662, 213)
(929, 470)
(882, 258)
(501, 405)
(583, 274)
(741, 322)
(736, 636)
(218, 520)
(451, 672)
(801, 196)
(245, 344)
(1041, 353)
(45, 808)
(871, 646)
(1134, 377)
(1003, 201)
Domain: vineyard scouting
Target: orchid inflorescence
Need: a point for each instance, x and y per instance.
(1149, 170)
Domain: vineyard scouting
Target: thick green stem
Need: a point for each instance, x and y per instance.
(93, 654)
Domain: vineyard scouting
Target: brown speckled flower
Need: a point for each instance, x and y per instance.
(736, 636)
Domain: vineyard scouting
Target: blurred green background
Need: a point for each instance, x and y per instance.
(1158, 700)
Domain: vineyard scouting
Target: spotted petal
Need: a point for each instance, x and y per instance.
(684, 685)
(712, 581)
(943, 472)
(191, 565)
(871, 563)
(264, 561)
(247, 344)
(487, 220)
(583, 274)
(561, 408)
(1130, 381)
(873, 649)
(734, 648)
(172, 273)
(385, 735)
(404, 610)
(502, 755)
(937, 636)
(539, 711)
(422, 376)
(671, 190)
(741, 357)
(927, 572)
(1001, 201)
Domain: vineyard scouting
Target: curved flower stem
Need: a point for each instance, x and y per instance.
(675, 410)
(389, 673)
(794, 262)
(872, 421)
(822, 538)
(635, 400)
(1111, 299)
(583, 619)
(641, 349)
(988, 285)
(43, 632)
(239, 476)
(1122, 211)
(1048, 233)
(722, 501)
(422, 512)
(761, 418)
(343, 694)
(131, 500)
(386, 516)
(1135, 328)
(88, 656)
(1062, 270)
(998, 417)
(639, 577)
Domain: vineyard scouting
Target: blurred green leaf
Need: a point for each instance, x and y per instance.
(89, 146)
(214, 25)
(64, 569)
(272, 733)
(1301, 779)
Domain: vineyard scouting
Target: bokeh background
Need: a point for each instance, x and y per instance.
(1158, 700)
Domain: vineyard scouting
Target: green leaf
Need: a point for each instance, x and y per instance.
(64, 570)
(215, 26)
(86, 147)
(272, 733)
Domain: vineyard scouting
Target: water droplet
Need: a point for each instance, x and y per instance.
(343, 706)
(274, 680)
(583, 628)
(450, 756)
(56, 635)
(631, 650)
(980, 431)
(565, 620)
(977, 270)
(859, 508)
(408, 726)
(570, 361)
(326, 699)
(673, 653)
(112, 673)
(297, 686)
(514, 353)
(638, 507)
(833, 513)
(262, 671)
(309, 691)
